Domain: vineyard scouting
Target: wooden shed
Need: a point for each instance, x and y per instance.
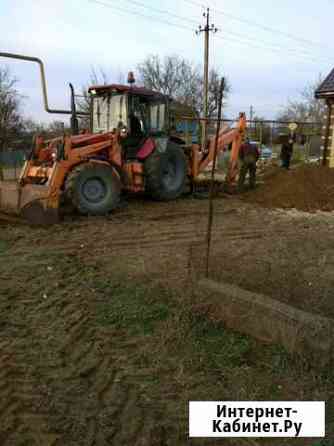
(326, 92)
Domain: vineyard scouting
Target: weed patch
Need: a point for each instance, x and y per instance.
(133, 308)
(3, 246)
(221, 347)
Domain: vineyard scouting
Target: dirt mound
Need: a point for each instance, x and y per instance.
(305, 188)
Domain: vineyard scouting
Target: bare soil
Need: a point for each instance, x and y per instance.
(307, 188)
(99, 341)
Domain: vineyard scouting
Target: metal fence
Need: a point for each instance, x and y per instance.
(11, 162)
(267, 135)
(271, 134)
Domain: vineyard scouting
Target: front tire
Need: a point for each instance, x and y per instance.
(93, 188)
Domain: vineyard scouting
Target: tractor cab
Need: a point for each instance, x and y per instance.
(137, 112)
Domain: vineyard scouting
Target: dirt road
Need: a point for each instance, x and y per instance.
(95, 351)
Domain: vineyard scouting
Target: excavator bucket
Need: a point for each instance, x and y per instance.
(31, 202)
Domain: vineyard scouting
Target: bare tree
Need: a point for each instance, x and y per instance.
(11, 122)
(306, 108)
(97, 77)
(57, 128)
(182, 80)
(173, 76)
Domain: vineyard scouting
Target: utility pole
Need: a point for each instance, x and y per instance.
(251, 113)
(206, 30)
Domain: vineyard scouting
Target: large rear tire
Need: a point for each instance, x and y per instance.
(93, 188)
(166, 173)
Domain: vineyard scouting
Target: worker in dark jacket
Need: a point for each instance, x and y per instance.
(286, 153)
(248, 155)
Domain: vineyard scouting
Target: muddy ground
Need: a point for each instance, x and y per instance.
(99, 341)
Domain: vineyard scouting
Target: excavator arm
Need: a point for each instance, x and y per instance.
(226, 136)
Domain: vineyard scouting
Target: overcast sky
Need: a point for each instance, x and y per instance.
(265, 65)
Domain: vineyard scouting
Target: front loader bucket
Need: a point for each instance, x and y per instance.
(9, 197)
(31, 202)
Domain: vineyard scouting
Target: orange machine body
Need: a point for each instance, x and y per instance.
(38, 193)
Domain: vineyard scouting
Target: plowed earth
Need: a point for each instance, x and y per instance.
(307, 188)
(100, 345)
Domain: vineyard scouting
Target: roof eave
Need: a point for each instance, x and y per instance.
(140, 91)
(324, 94)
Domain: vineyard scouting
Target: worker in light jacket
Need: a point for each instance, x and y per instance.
(248, 156)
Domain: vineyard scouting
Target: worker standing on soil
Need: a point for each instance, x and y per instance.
(248, 155)
(286, 153)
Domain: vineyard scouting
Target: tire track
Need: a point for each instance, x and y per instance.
(21, 399)
(65, 381)
(96, 387)
(168, 238)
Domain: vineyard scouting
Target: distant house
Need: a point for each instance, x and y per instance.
(326, 92)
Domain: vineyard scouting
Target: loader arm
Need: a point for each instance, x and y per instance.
(226, 136)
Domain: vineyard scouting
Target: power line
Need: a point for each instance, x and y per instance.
(147, 17)
(277, 50)
(259, 25)
(280, 47)
(161, 11)
(248, 42)
(276, 47)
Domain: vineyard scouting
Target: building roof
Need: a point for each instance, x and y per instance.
(117, 88)
(327, 87)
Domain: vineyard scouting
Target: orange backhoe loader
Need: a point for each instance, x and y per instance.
(129, 147)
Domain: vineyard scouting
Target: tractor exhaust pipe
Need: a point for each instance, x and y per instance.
(43, 80)
(74, 119)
